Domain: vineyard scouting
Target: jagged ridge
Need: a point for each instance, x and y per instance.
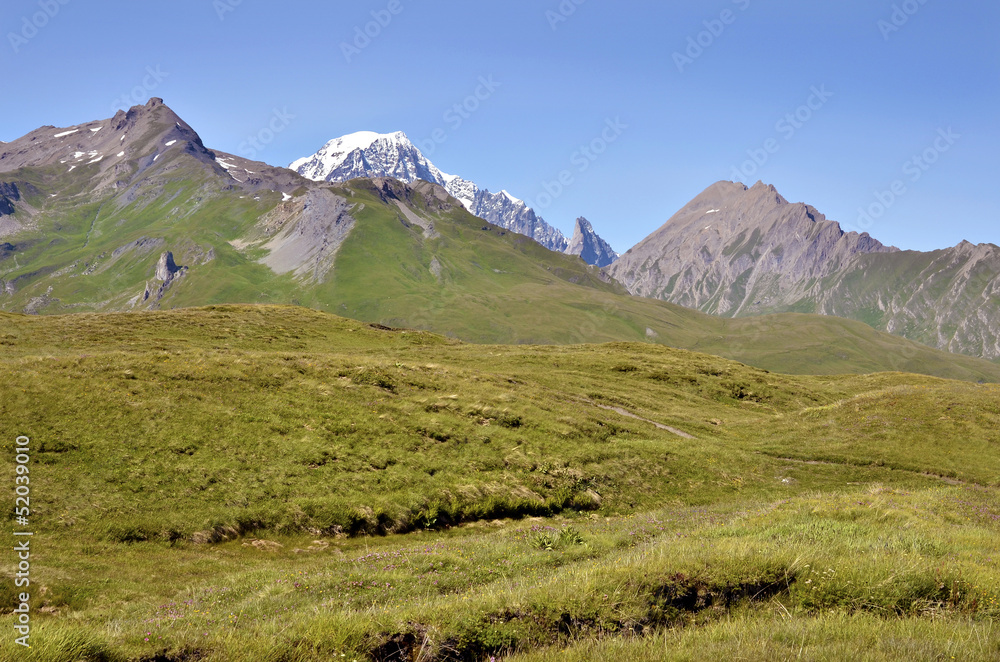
(368, 154)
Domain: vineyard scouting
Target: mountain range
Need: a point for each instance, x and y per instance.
(739, 251)
(368, 154)
(136, 213)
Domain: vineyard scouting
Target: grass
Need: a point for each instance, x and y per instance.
(279, 484)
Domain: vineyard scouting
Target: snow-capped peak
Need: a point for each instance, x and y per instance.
(365, 139)
(333, 154)
(370, 154)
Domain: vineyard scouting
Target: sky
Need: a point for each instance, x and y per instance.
(882, 114)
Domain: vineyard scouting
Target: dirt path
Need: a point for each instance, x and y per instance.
(944, 479)
(661, 426)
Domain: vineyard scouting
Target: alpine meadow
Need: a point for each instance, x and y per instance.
(583, 401)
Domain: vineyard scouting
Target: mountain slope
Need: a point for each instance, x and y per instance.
(180, 225)
(738, 251)
(368, 154)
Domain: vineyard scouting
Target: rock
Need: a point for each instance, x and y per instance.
(166, 267)
(264, 545)
(10, 191)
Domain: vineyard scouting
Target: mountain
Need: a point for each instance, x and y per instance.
(738, 251)
(589, 246)
(135, 213)
(368, 154)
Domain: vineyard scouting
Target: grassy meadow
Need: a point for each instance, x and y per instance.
(278, 484)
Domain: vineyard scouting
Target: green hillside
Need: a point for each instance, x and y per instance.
(219, 483)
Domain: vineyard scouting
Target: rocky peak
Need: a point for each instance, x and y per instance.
(733, 247)
(590, 247)
(369, 154)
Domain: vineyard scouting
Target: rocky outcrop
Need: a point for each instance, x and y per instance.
(167, 272)
(590, 247)
(9, 194)
(166, 268)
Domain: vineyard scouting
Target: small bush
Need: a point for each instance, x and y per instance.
(552, 540)
(508, 420)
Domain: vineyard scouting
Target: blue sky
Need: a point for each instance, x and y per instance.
(893, 103)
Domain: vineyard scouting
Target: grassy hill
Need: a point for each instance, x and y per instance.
(276, 483)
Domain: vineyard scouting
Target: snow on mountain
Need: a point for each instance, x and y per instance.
(368, 154)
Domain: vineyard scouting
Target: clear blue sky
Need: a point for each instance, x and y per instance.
(688, 125)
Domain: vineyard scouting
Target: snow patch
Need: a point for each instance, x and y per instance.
(66, 133)
(77, 155)
(120, 154)
(156, 157)
(225, 165)
(97, 129)
(712, 211)
(71, 168)
(516, 201)
(171, 143)
(285, 197)
(95, 160)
